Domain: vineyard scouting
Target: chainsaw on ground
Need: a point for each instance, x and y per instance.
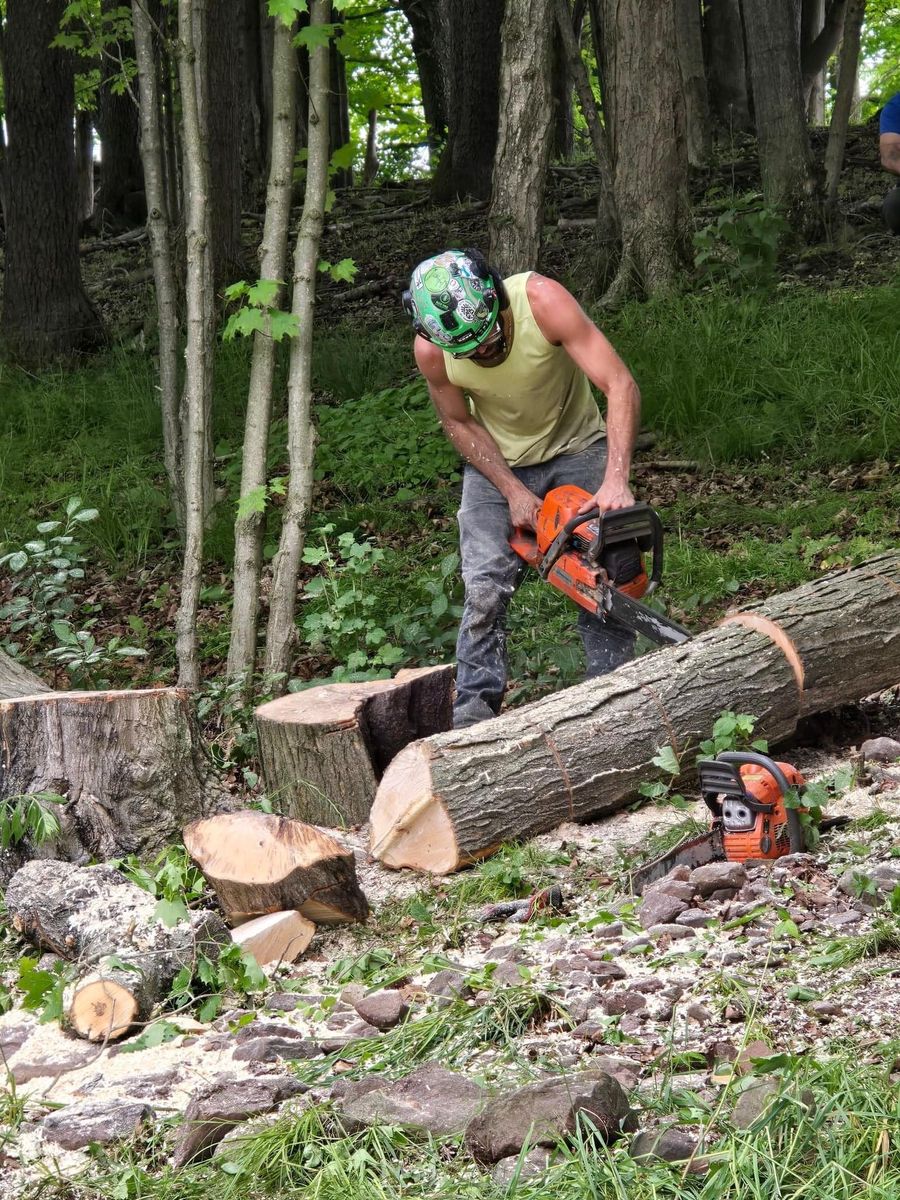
(753, 819)
(596, 559)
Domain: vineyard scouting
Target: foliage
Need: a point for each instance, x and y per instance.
(42, 990)
(173, 877)
(740, 248)
(29, 819)
(204, 983)
(258, 312)
(731, 731)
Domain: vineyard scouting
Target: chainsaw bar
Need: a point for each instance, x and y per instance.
(653, 625)
(693, 852)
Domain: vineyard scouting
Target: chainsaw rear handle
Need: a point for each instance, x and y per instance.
(638, 522)
(730, 782)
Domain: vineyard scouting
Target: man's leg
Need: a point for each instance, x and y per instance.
(891, 209)
(607, 644)
(490, 571)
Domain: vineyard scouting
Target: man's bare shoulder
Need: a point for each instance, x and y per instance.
(555, 309)
(430, 360)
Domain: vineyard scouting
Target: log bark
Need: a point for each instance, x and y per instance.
(279, 937)
(258, 863)
(127, 958)
(454, 798)
(16, 680)
(129, 764)
(324, 750)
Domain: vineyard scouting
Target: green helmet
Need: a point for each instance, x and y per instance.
(454, 300)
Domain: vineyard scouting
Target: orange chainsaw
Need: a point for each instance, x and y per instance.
(596, 559)
(753, 818)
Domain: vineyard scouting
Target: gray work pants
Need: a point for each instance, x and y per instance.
(492, 571)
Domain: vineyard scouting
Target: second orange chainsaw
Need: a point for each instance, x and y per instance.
(597, 560)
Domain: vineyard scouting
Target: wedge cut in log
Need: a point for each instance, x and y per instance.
(259, 863)
(324, 749)
(17, 680)
(128, 763)
(452, 799)
(96, 918)
(276, 937)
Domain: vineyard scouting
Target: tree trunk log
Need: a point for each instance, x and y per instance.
(16, 680)
(324, 750)
(129, 764)
(258, 863)
(454, 798)
(94, 917)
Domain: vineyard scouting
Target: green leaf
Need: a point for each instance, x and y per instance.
(18, 561)
(170, 912)
(153, 1035)
(64, 633)
(287, 11)
(243, 323)
(253, 502)
(264, 292)
(72, 505)
(34, 984)
(86, 514)
(343, 157)
(236, 290)
(313, 37)
(345, 270)
(667, 760)
(283, 324)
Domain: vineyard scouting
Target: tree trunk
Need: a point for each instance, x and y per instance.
(339, 115)
(224, 135)
(650, 151)
(84, 164)
(523, 142)
(812, 22)
(471, 62)
(16, 680)
(784, 155)
(250, 526)
(689, 42)
(200, 305)
(454, 798)
(259, 863)
(371, 164)
(46, 311)
(121, 174)
(301, 434)
(821, 27)
(160, 229)
(91, 914)
(129, 764)
(564, 84)
(256, 111)
(848, 65)
(323, 750)
(425, 20)
(726, 66)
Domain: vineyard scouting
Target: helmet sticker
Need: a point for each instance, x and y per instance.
(436, 279)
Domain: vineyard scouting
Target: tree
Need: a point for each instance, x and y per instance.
(425, 22)
(301, 438)
(784, 155)
(523, 143)
(46, 310)
(726, 66)
(119, 196)
(689, 41)
(645, 108)
(224, 133)
(821, 26)
(843, 104)
(470, 57)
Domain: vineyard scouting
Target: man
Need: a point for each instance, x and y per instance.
(890, 159)
(507, 364)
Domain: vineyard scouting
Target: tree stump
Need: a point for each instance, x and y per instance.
(454, 798)
(128, 763)
(323, 750)
(259, 863)
(127, 957)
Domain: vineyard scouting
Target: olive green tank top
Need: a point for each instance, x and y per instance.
(537, 403)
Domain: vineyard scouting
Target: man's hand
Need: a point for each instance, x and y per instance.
(524, 507)
(613, 494)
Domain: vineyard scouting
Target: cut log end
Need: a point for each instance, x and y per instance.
(410, 826)
(102, 1010)
(276, 937)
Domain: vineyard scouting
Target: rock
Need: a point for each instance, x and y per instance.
(432, 1099)
(268, 1049)
(605, 972)
(679, 888)
(753, 1102)
(881, 749)
(77, 1125)
(636, 945)
(220, 1106)
(606, 933)
(713, 877)
(624, 1070)
(671, 1145)
(732, 957)
(671, 930)
(744, 1063)
(648, 986)
(290, 1001)
(722, 895)
(449, 984)
(509, 973)
(39, 1061)
(510, 952)
(258, 1029)
(353, 1033)
(825, 1010)
(696, 1012)
(616, 1003)
(544, 1112)
(848, 917)
(521, 1167)
(657, 908)
(384, 1009)
(694, 918)
(16, 1027)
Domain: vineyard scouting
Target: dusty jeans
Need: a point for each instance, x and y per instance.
(492, 571)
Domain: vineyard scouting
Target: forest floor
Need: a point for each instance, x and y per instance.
(773, 405)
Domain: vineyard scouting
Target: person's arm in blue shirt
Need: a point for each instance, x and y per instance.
(889, 141)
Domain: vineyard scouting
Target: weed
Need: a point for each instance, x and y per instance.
(29, 819)
(740, 247)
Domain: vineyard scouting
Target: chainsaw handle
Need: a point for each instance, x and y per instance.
(752, 757)
(635, 523)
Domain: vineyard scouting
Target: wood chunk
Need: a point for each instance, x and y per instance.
(451, 799)
(261, 863)
(276, 937)
(323, 750)
(16, 680)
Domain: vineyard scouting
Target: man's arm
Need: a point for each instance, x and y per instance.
(562, 321)
(470, 438)
(890, 152)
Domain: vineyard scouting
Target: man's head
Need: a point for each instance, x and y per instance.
(455, 300)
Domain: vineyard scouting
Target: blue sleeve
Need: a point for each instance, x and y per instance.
(890, 116)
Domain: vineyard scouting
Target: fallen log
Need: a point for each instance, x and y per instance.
(276, 937)
(259, 863)
(323, 750)
(16, 680)
(454, 798)
(128, 763)
(96, 918)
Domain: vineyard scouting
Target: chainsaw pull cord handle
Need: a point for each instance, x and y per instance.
(739, 757)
